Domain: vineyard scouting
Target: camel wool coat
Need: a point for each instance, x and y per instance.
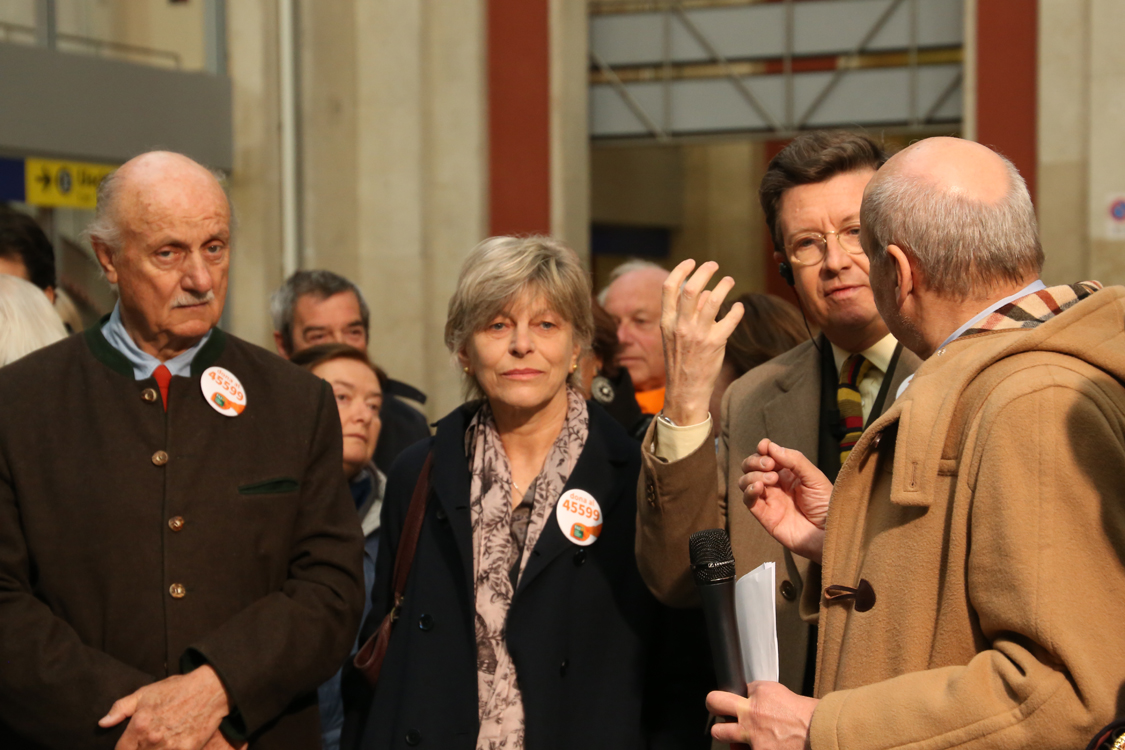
(984, 514)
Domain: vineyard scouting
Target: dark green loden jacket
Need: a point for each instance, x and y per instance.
(250, 515)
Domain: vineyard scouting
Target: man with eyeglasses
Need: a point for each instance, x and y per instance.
(816, 398)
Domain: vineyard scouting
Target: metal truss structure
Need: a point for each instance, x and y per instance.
(671, 69)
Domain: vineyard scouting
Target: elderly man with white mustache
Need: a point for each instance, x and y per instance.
(180, 559)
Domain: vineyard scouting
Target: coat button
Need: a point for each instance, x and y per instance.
(175, 523)
(788, 590)
(650, 493)
(177, 591)
(413, 737)
(580, 558)
(440, 514)
(149, 394)
(426, 623)
(160, 458)
(563, 666)
(876, 440)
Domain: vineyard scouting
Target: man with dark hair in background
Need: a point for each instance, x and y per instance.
(321, 307)
(974, 586)
(817, 396)
(25, 251)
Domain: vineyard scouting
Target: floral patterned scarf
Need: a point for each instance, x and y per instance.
(500, 704)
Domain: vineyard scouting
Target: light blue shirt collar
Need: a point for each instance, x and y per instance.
(1031, 288)
(144, 363)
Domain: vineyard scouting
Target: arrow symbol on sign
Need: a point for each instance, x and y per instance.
(44, 178)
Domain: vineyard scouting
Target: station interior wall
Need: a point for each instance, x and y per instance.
(394, 153)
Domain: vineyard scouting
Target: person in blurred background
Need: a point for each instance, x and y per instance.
(27, 320)
(633, 300)
(318, 307)
(525, 621)
(357, 387)
(25, 251)
(770, 326)
(605, 381)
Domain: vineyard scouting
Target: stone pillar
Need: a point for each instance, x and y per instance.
(255, 187)
(1081, 153)
(394, 171)
(1064, 99)
(570, 136)
(1107, 150)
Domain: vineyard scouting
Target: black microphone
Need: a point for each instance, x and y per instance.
(712, 564)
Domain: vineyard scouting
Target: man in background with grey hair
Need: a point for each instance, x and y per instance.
(973, 581)
(633, 299)
(320, 307)
(180, 562)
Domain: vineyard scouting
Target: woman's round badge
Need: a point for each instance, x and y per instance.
(579, 516)
(223, 391)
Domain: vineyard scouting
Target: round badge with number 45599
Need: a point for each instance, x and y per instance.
(223, 391)
(579, 516)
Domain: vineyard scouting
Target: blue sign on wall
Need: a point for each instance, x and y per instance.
(12, 186)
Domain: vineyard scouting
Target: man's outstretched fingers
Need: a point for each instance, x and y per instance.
(121, 710)
(699, 280)
(670, 293)
(717, 297)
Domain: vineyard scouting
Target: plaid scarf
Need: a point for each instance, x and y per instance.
(1036, 308)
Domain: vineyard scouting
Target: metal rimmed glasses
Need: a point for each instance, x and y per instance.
(808, 248)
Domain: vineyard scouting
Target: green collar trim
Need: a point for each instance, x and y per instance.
(209, 352)
(104, 352)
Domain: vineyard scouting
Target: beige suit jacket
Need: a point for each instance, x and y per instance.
(779, 400)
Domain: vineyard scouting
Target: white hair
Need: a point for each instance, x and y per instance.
(27, 320)
(964, 247)
(633, 264)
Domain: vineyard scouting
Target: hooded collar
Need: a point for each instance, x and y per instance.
(1089, 326)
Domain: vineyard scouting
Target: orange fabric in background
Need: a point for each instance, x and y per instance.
(651, 402)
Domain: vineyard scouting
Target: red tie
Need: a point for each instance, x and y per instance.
(163, 378)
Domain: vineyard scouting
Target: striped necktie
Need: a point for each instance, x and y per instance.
(850, 404)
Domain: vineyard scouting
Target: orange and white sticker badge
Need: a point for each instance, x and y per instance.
(223, 391)
(580, 517)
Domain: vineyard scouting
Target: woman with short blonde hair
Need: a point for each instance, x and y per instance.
(524, 622)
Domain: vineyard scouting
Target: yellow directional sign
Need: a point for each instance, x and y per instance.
(70, 184)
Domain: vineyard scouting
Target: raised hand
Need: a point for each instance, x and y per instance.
(694, 342)
(789, 496)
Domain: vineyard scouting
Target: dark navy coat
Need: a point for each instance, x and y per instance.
(579, 626)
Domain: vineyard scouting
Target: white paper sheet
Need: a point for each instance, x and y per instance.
(757, 623)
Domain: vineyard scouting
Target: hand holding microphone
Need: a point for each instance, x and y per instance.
(712, 565)
(764, 715)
